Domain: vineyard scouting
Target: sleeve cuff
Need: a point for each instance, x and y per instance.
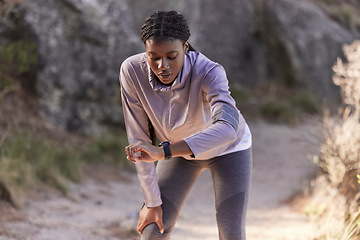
(219, 134)
(192, 145)
(153, 203)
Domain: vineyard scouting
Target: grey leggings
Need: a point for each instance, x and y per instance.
(231, 175)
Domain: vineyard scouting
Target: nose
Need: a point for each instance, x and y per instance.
(163, 64)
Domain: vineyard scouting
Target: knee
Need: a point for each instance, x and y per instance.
(151, 232)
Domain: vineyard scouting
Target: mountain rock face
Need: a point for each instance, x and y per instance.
(303, 45)
(81, 44)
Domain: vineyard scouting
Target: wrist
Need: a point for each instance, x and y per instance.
(160, 153)
(156, 207)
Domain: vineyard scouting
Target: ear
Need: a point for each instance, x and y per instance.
(186, 47)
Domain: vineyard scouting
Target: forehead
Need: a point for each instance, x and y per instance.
(163, 47)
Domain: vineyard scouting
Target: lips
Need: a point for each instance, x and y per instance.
(164, 76)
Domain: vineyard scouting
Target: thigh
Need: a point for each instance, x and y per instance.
(231, 176)
(176, 177)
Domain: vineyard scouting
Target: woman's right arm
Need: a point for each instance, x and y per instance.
(136, 122)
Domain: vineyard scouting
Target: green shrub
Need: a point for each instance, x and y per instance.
(240, 94)
(16, 58)
(108, 150)
(277, 110)
(306, 102)
(290, 107)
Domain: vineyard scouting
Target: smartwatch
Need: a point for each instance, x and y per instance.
(166, 148)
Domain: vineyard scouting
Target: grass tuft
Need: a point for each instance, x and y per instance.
(28, 160)
(277, 110)
(306, 102)
(109, 150)
(289, 108)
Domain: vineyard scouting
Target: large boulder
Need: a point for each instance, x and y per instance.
(223, 31)
(81, 45)
(302, 45)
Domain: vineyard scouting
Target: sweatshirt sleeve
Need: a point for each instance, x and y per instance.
(136, 122)
(227, 121)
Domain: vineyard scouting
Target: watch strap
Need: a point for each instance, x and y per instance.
(166, 148)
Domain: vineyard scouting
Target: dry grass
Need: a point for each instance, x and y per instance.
(337, 191)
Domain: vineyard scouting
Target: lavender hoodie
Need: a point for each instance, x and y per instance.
(196, 108)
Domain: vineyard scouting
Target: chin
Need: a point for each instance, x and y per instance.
(166, 81)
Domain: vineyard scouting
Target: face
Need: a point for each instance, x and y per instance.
(166, 58)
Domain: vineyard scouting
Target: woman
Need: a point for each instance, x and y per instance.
(184, 97)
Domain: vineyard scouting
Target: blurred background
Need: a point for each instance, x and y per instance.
(60, 107)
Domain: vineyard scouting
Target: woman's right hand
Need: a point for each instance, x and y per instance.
(143, 151)
(150, 215)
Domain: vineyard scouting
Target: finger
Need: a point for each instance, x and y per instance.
(160, 225)
(131, 159)
(137, 149)
(140, 228)
(129, 153)
(127, 150)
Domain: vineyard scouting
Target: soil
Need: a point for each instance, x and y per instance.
(106, 203)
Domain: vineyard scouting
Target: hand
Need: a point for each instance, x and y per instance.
(150, 215)
(143, 151)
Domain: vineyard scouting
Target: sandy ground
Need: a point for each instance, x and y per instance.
(106, 208)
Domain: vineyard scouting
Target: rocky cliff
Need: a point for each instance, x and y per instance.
(81, 44)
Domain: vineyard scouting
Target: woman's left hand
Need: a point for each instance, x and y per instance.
(143, 151)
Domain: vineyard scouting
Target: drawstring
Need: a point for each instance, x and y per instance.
(152, 133)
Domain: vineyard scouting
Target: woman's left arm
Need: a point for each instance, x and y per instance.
(227, 121)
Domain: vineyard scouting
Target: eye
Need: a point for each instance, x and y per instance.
(172, 55)
(153, 57)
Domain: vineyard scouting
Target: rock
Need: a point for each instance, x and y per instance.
(288, 41)
(302, 44)
(223, 33)
(82, 43)
(81, 46)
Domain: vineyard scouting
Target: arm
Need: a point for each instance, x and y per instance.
(143, 151)
(227, 122)
(137, 130)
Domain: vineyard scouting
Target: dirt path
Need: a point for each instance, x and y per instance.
(106, 208)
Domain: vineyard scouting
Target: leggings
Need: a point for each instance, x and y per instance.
(231, 175)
